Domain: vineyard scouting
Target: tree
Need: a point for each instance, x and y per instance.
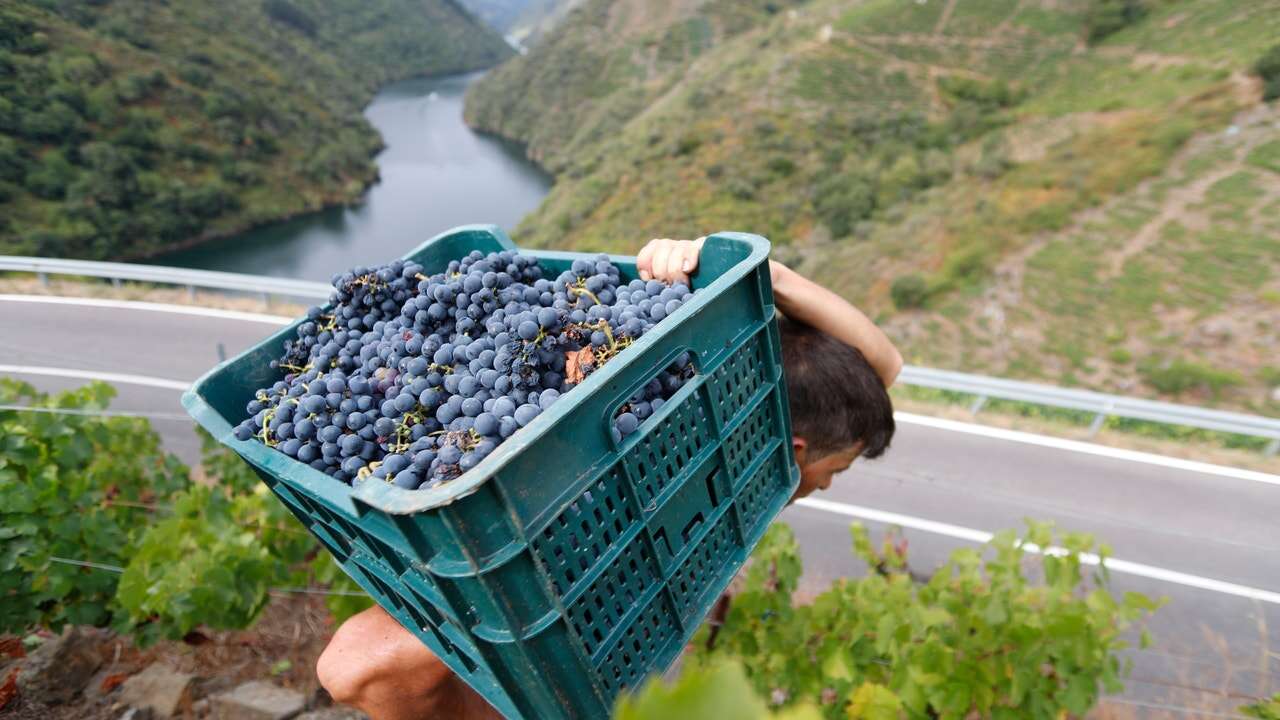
(50, 177)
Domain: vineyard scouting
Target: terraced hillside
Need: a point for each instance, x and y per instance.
(1033, 188)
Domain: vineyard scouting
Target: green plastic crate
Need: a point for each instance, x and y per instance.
(564, 568)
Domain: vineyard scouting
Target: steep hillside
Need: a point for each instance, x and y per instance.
(1037, 188)
(538, 19)
(128, 127)
(500, 15)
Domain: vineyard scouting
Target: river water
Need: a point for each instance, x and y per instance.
(435, 174)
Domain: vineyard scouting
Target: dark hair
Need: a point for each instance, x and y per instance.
(836, 398)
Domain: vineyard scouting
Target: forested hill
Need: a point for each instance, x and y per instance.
(1082, 191)
(130, 126)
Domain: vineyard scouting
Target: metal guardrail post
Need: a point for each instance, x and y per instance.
(1100, 418)
(1096, 425)
(978, 403)
(1272, 448)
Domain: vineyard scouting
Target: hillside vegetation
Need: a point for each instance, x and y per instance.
(1081, 191)
(128, 127)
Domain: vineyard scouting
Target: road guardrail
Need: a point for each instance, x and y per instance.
(267, 287)
(1102, 405)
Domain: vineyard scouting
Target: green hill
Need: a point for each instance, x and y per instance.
(1081, 191)
(128, 127)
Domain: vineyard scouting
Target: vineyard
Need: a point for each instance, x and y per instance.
(103, 528)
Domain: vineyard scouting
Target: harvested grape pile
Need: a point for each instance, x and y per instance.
(414, 379)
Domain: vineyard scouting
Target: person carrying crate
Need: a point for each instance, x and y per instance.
(838, 367)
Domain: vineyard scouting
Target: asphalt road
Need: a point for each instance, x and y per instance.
(1215, 647)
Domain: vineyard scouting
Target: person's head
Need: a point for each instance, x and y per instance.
(840, 410)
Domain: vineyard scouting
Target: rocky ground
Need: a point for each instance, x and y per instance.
(265, 673)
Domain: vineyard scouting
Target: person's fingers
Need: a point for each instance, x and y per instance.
(661, 255)
(676, 261)
(691, 257)
(644, 261)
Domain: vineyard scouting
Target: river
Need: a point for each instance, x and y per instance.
(436, 173)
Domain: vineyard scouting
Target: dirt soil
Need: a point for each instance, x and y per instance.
(281, 648)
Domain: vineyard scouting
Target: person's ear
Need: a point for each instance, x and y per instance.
(801, 446)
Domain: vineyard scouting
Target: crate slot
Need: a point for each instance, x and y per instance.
(739, 377)
(749, 437)
(605, 603)
(759, 493)
(635, 651)
(669, 447)
(709, 559)
(583, 532)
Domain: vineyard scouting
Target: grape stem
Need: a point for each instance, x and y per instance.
(580, 288)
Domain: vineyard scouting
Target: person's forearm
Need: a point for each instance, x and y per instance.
(805, 301)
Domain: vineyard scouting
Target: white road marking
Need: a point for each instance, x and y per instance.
(904, 417)
(96, 375)
(823, 505)
(1086, 448)
(150, 307)
(981, 536)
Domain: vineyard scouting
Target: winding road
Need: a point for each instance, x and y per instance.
(1207, 538)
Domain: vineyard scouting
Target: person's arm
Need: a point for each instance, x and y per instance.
(798, 298)
(376, 666)
(803, 300)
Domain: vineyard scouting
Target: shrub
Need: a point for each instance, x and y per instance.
(1180, 376)
(843, 200)
(688, 144)
(72, 486)
(780, 165)
(165, 554)
(990, 95)
(718, 691)
(1268, 68)
(978, 639)
(1264, 709)
(1107, 17)
(909, 291)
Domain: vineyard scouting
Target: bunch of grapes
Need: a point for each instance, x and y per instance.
(414, 379)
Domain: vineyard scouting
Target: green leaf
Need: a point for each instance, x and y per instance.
(708, 693)
(980, 637)
(874, 702)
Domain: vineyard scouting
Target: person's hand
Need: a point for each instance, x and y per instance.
(777, 274)
(671, 261)
(375, 665)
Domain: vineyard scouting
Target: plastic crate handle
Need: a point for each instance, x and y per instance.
(624, 395)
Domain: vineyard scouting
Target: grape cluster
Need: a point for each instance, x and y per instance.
(414, 379)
